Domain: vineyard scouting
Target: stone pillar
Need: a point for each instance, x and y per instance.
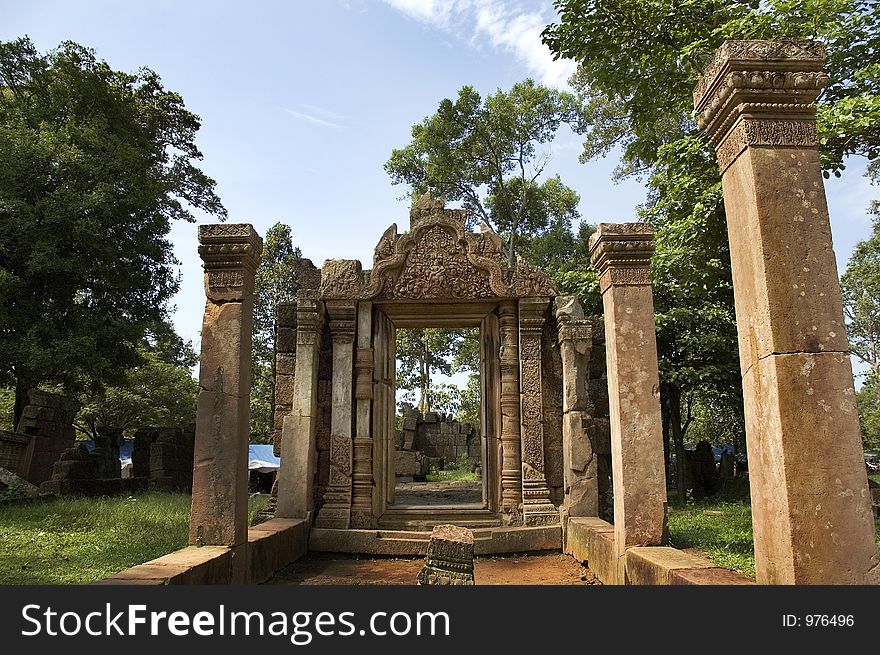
(579, 462)
(296, 477)
(811, 507)
(231, 254)
(511, 467)
(622, 255)
(362, 468)
(336, 511)
(537, 508)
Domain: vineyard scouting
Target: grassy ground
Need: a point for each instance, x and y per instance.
(446, 476)
(875, 478)
(80, 540)
(721, 527)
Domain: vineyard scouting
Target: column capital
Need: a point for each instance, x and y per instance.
(760, 93)
(621, 253)
(343, 320)
(532, 314)
(230, 254)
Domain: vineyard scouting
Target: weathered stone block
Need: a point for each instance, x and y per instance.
(450, 557)
(653, 565)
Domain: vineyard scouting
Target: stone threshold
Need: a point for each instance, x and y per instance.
(413, 543)
(591, 541)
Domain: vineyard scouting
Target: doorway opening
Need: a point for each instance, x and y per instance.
(439, 439)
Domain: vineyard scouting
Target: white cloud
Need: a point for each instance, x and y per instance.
(316, 120)
(505, 25)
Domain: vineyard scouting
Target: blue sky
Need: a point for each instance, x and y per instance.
(302, 102)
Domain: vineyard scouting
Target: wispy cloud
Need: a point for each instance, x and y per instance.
(322, 117)
(504, 25)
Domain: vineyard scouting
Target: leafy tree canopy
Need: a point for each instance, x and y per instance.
(94, 165)
(490, 155)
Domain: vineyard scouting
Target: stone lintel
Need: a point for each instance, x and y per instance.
(621, 253)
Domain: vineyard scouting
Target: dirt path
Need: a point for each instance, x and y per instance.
(536, 569)
(452, 492)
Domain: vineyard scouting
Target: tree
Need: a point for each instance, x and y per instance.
(278, 278)
(860, 287)
(422, 352)
(155, 393)
(638, 98)
(94, 166)
(487, 155)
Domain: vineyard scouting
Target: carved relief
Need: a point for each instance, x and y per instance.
(438, 267)
(341, 278)
(437, 260)
(756, 50)
(800, 133)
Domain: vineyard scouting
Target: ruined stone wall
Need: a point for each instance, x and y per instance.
(434, 441)
(171, 460)
(48, 417)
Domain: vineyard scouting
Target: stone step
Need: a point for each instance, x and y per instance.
(411, 543)
(425, 518)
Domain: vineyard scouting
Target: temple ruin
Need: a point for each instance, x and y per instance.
(550, 423)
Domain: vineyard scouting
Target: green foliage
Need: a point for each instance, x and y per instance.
(638, 98)
(155, 393)
(80, 540)
(868, 399)
(860, 288)
(463, 471)
(94, 165)
(487, 154)
(277, 280)
(424, 352)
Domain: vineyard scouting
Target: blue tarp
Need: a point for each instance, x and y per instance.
(262, 458)
(125, 448)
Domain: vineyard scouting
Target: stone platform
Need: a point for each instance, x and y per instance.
(409, 543)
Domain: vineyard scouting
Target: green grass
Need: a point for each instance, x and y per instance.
(446, 476)
(721, 527)
(80, 540)
(875, 478)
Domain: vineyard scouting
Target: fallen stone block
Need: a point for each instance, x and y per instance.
(450, 558)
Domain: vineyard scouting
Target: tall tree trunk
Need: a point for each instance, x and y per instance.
(673, 398)
(21, 401)
(667, 434)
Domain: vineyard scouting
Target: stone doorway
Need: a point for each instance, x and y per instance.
(439, 437)
(417, 504)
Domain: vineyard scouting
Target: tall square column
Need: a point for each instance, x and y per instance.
(811, 506)
(622, 255)
(231, 254)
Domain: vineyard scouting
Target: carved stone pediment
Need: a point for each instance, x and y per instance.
(438, 259)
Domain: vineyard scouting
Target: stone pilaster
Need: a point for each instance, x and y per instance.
(231, 254)
(336, 511)
(537, 508)
(296, 477)
(362, 468)
(284, 367)
(511, 463)
(579, 460)
(811, 506)
(622, 256)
